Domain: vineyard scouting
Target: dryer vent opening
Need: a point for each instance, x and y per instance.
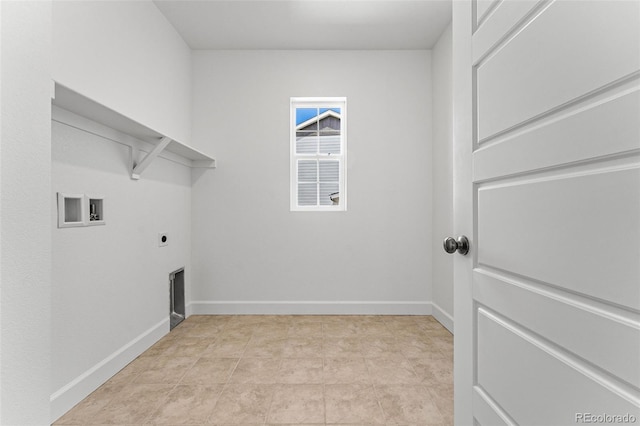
(176, 296)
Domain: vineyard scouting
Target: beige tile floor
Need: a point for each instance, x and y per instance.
(284, 370)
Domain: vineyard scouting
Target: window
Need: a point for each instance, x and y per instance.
(318, 154)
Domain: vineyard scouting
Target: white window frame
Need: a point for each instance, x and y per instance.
(322, 102)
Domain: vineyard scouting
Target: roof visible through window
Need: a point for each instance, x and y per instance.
(304, 114)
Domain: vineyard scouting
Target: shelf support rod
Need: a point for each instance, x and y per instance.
(140, 167)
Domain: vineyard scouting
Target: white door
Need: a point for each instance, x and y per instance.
(547, 188)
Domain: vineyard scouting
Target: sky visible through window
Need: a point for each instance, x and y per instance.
(304, 114)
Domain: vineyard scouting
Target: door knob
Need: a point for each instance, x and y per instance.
(461, 244)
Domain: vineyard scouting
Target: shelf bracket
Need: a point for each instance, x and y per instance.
(137, 169)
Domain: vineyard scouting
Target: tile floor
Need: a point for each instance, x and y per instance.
(277, 370)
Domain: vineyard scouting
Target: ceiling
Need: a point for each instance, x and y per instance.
(308, 24)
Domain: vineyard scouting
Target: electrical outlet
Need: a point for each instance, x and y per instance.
(163, 239)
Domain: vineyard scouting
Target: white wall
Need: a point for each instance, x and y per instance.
(249, 251)
(111, 283)
(442, 178)
(25, 233)
(126, 56)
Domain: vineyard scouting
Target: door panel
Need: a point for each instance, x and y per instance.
(483, 8)
(485, 411)
(572, 225)
(529, 376)
(585, 47)
(547, 185)
(574, 136)
(598, 333)
(499, 21)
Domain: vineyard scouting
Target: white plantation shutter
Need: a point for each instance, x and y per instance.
(329, 180)
(307, 182)
(318, 154)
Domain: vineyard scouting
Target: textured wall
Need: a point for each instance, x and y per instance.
(250, 250)
(442, 177)
(111, 282)
(126, 56)
(25, 227)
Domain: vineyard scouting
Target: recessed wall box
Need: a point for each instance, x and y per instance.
(177, 311)
(95, 209)
(71, 210)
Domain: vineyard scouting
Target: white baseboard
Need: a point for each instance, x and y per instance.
(75, 391)
(443, 317)
(308, 308)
